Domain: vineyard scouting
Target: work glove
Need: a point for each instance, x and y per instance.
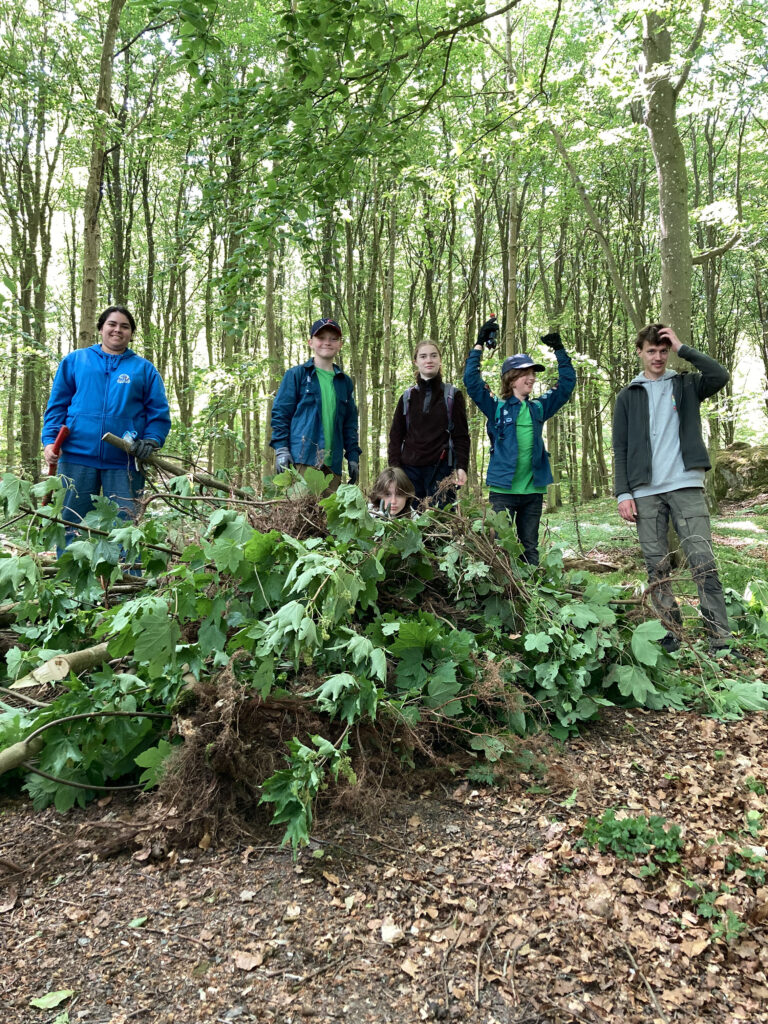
(487, 335)
(384, 507)
(353, 471)
(283, 459)
(143, 447)
(553, 341)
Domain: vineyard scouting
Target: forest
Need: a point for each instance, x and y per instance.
(280, 663)
(232, 175)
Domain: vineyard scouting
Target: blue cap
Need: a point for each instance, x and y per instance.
(321, 324)
(521, 362)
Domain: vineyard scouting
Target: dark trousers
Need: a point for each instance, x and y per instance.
(525, 512)
(426, 480)
(120, 485)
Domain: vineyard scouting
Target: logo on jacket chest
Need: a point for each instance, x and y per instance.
(124, 378)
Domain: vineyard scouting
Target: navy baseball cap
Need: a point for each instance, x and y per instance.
(521, 362)
(321, 324)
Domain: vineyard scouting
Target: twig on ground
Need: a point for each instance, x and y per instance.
(645, 981)
(480, 952)
(444, 961)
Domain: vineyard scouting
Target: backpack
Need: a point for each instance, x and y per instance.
(449, 394)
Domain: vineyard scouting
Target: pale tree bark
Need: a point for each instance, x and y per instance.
(92, 199)
(388, 378)
(661, 96)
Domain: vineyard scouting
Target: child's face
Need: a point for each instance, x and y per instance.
(395, 500)
(428, 361)
(326, 343)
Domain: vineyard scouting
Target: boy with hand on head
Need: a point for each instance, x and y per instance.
(314, 416)
(659, 464)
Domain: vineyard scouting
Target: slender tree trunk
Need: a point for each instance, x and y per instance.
(92, 198)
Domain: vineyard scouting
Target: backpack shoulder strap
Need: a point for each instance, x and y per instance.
(449, 394)
(406, 402)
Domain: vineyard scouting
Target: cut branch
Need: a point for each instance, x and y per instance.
(717, 251)
(176, 469)
(58, 668)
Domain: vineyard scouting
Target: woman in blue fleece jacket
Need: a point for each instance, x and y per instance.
(518, 470)
(104, 388)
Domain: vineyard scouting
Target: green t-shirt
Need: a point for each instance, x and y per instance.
(522, 481)
(328, 409)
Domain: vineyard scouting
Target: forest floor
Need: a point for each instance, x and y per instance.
(443, 902)
(450, 903)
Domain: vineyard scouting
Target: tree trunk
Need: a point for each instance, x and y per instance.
(92, 198)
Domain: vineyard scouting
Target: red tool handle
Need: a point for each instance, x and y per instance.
(61, 437)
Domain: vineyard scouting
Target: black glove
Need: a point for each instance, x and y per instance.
(283, 459)
(353, 471)
(143, 447)
(487, 333)
(553, 341)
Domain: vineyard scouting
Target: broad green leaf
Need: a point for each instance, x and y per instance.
(52, 999)
(538, 642)
(644, 645)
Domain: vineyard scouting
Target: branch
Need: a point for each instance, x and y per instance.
(18, 753)
(549, 47)
(613, 269)
(200, 477)
(717, 251)
(693, 47)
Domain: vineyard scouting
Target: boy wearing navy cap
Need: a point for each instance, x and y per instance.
(314, 416)
(518, 470)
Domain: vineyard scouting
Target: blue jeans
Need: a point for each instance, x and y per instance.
(525, 511)
(121, 485)
(426, 480)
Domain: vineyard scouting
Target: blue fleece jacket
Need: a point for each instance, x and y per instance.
(502, 420)
(95, 392)
(297, 421)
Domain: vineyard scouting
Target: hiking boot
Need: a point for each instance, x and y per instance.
(718, 649)
(670, 643)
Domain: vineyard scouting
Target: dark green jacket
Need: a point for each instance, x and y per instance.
(631, 431)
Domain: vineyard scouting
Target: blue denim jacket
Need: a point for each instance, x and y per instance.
(297, 421)
(502, 420)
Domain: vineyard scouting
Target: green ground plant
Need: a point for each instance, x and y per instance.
(640, 837)
(306, 614)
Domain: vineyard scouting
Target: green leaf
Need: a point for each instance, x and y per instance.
(153, 760)
(632, 682)
(538, 642)
(644, 647)
(13, 491)
(138, 922)
(52, 999)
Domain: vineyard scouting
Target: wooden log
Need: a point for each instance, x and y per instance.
(18, 753)
(58, 668)
(198, 475)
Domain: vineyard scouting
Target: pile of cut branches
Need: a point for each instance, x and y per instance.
(274, 646)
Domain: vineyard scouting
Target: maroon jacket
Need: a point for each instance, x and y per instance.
(427, 440)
